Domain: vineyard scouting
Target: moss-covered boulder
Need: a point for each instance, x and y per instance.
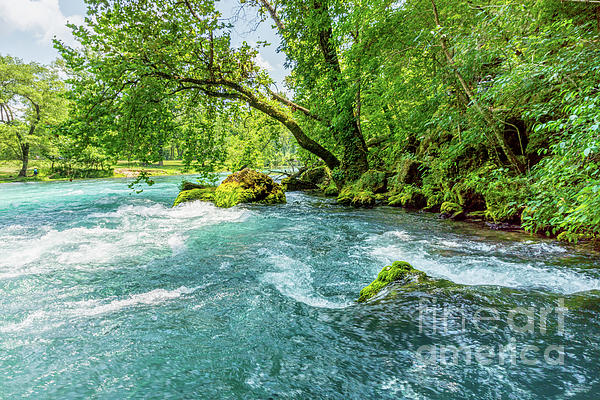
(291, 184)
(248, 186)
(362, 192)
(408, 173)
(372, 181)
(400, 271)
(351, 196)
(186, 185)
(202, 194)
(317, 175)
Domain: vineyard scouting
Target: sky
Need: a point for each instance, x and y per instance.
(27, 28)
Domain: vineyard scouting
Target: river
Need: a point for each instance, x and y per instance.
(109, 294)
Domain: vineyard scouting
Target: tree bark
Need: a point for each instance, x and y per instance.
(348, 135)
(24, 159)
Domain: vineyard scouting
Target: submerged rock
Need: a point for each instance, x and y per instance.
(201, 194)
(248, 186)
(400, 271)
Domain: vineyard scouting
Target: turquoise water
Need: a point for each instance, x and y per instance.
(108, 294)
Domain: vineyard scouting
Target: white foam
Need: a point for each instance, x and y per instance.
(293, 279)
(489, 270)
(177, 243)
(92, 308)
(125, 233)
(44, 319)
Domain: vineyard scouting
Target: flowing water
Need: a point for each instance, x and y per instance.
(109, 294)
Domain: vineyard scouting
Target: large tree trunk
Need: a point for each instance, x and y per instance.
(347, 132)
(24, 159)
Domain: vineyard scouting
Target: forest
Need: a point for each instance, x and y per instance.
(480, 109)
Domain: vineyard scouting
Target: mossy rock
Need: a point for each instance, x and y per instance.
(330, 190)
(372, 181)
(350, 195)
(186, 185)
(317, 175)
(400, 271)
(203, 194)
(248, 186)
(409, 173)
(292, 184)
(452, 210)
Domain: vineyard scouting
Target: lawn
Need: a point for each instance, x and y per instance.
(9, 169)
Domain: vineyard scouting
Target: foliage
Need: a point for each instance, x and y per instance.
(31, 105)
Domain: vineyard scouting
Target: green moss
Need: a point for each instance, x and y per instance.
(361, 193)
(248, 186)
(399, 271)
(293, 184)
(372, 181)
(330, 190)
(187, 185)
(364, 198)
(205, 194)
(408, 173)
(350, 195)
(317, 175)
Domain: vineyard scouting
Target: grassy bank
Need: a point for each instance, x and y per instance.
(130, 169)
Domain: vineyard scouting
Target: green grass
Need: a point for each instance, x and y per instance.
(9, 169)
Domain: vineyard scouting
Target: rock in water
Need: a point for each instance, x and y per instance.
(203, 194)
(400, 271)
(186, 185)
(248, 186)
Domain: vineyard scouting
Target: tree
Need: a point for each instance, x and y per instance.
(31, 101)
(182, 51)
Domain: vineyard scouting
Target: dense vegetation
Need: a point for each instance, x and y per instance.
(461, 106)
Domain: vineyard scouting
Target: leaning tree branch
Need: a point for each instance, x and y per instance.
(295, 106)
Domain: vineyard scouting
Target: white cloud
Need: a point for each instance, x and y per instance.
(41, 18)
(261, 62)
